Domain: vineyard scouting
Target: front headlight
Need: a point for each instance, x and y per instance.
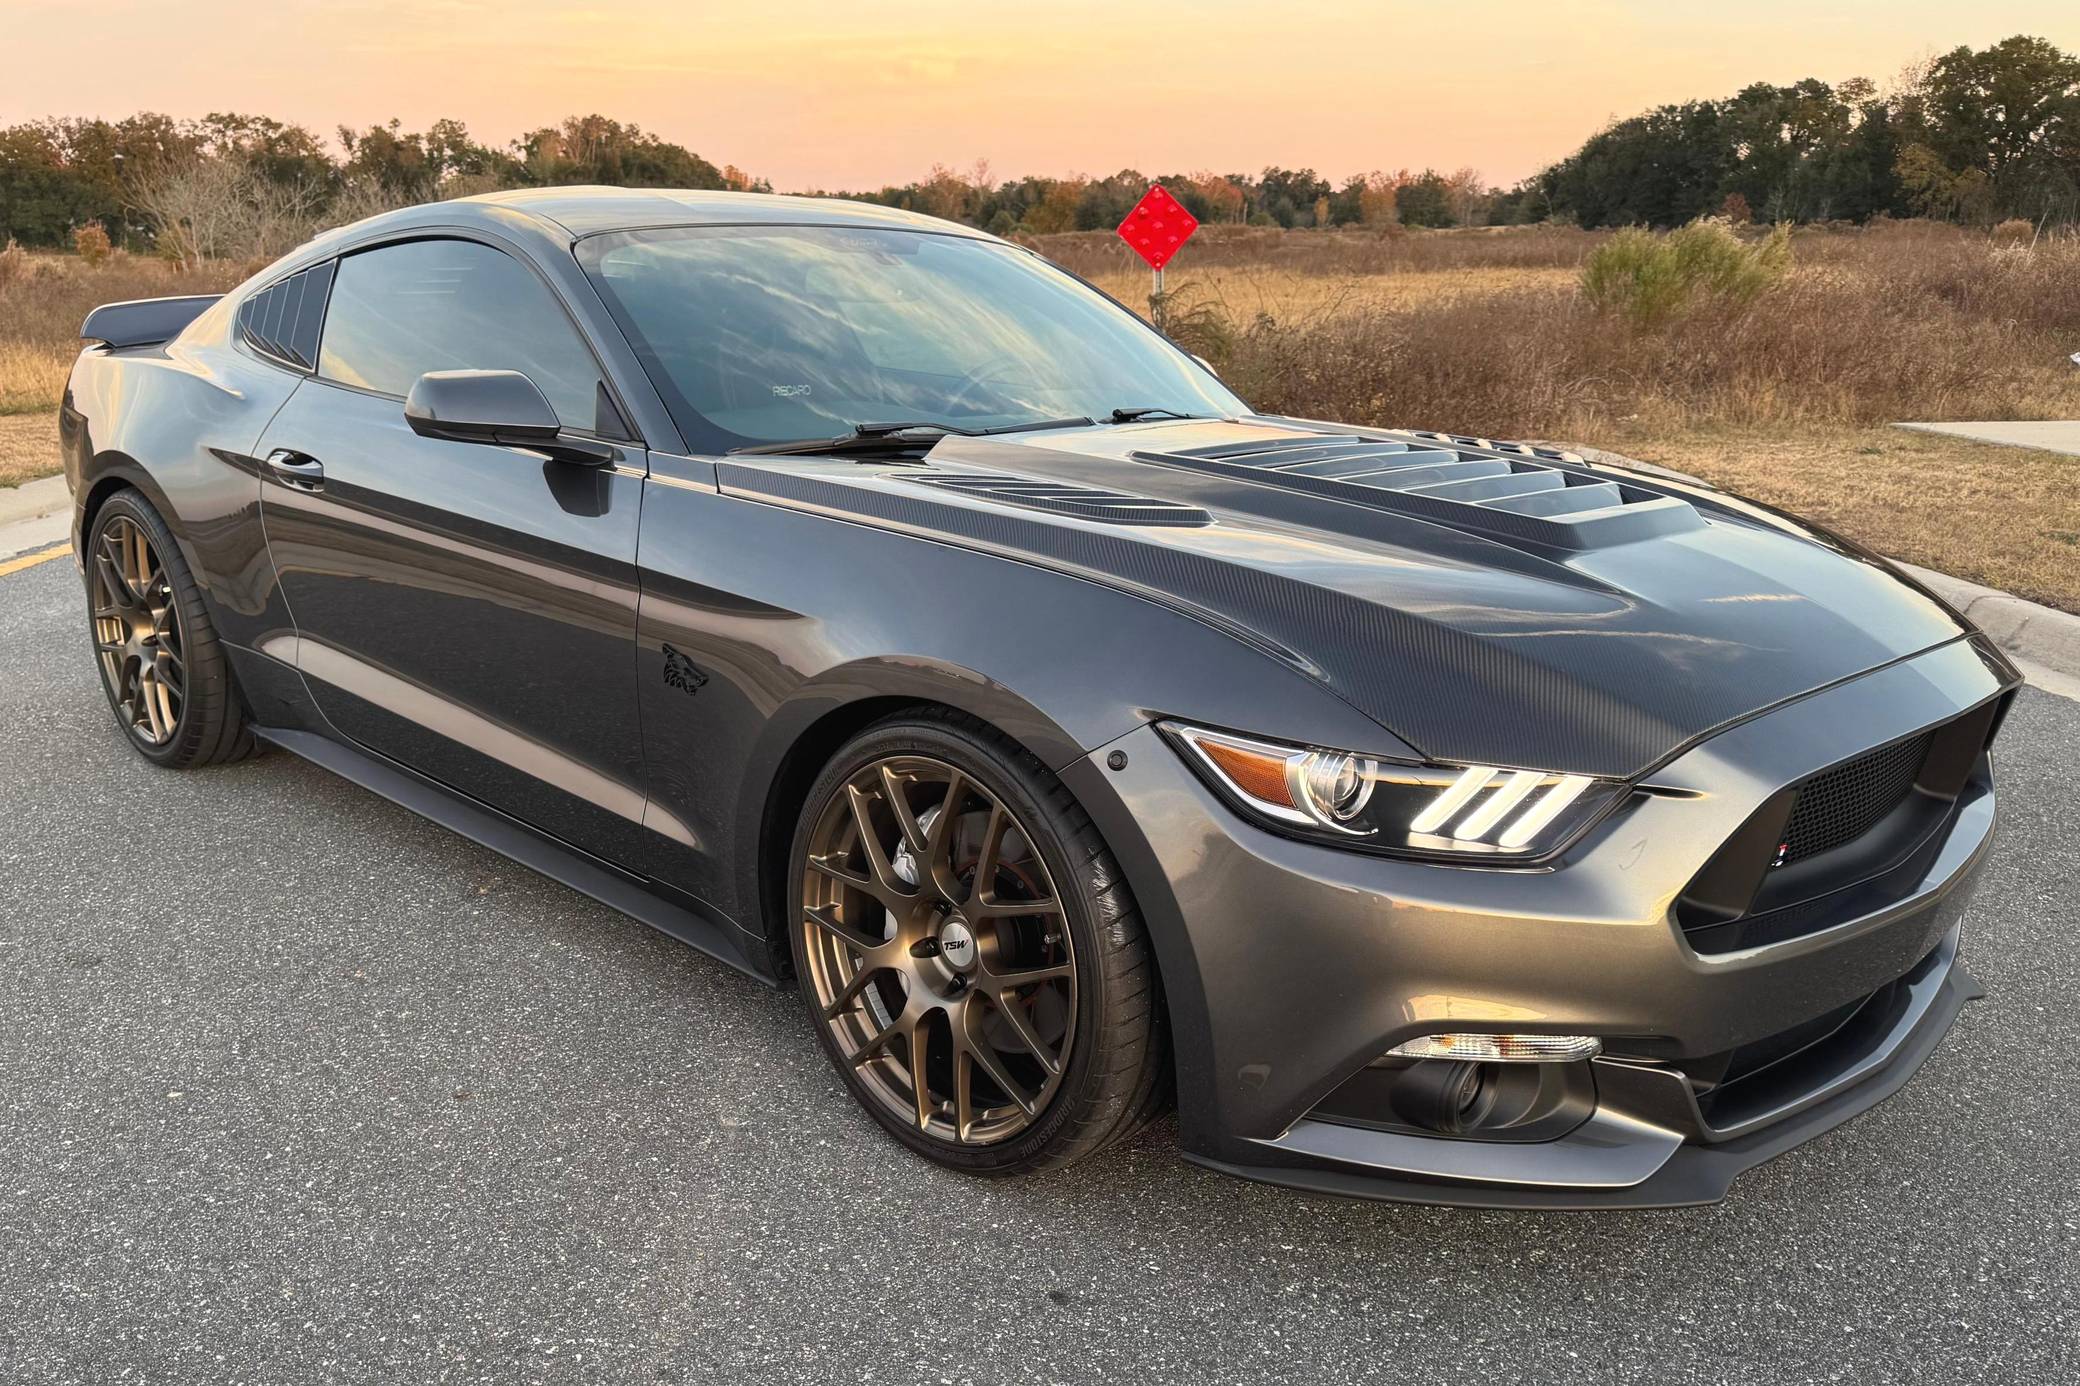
(1461, 811)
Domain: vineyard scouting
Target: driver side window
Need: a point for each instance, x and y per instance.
(401, 310)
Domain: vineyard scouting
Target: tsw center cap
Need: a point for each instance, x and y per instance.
(957, 943)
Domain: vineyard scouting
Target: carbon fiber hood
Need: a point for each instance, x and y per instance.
(1594, 622)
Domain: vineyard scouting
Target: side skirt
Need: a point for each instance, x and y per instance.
(632, 895)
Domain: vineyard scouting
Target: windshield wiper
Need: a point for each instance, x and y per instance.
(1150, 411)
(885, 437)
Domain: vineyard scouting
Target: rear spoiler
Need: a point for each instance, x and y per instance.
(144, 321)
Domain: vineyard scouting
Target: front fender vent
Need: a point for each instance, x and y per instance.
(1063, 498)
(1512, 490)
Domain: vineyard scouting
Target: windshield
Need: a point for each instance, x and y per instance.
(764, 334)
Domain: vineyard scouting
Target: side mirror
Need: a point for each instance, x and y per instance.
(498, 407)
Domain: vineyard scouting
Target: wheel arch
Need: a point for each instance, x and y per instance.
(118, 471)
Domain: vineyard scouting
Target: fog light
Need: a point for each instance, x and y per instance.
(1501, 1049)
(1450, 1098)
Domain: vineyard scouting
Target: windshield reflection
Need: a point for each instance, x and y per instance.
(779, 333)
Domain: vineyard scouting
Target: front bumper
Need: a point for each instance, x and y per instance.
(1288, 967)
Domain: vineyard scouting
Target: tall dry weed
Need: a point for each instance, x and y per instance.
(44, 298)
(1886, 327)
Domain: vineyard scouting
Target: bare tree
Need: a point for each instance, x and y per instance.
(204, 207)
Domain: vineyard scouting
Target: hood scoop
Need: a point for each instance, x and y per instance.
(1509, 490)
(1064, 498)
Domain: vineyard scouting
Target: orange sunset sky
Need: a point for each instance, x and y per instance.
(855, 93)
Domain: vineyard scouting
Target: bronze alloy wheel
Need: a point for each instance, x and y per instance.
(934, 943)
(137, 631)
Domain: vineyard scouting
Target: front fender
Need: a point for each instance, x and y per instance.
(761, 623)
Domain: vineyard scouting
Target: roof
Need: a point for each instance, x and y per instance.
(584, 211)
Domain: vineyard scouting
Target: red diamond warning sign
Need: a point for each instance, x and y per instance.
(1158, 227)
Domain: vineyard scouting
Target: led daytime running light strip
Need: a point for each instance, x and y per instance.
(1502, 800)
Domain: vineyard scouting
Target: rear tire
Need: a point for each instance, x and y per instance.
(1039, 1029)
(165, 673)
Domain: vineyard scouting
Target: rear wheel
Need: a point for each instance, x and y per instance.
(969, 955)
(162, 667)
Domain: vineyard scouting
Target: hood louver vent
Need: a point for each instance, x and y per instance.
(1062, 498)
(1509, 489)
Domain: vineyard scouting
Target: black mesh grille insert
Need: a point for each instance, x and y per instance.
(1838, 806)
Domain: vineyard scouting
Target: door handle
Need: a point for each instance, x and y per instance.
(295, 469)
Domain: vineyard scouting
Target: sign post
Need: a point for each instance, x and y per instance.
(1157, 229)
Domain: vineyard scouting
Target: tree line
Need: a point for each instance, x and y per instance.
(1971, 136)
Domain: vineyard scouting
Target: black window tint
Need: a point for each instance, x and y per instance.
(402, 310)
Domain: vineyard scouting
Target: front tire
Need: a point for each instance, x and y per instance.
(165, 673)
(969, 954)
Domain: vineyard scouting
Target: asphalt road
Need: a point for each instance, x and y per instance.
(299, 1088)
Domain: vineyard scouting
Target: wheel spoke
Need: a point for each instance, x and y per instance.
(148, 696)
(123, 604)
(899, 805)
(1015, 1016)
(920, 1079)
(986, 1058)
(939, 843)
(837, 870)
(986, 861)
(849, 993)
(990, 907)
(822, 917)
(963, 1091)
(1004, 978)
(879, 1041)
(136, 564)
(886, 883)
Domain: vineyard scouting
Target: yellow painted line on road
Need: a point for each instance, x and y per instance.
(30, 560)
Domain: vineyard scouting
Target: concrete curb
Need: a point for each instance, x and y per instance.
(33, 499)
(2043, 642)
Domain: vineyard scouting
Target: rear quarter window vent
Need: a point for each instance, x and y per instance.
(1513, 490)
(1063, 498)
(281, 321)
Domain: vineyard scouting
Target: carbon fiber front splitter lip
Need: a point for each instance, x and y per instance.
(1695, 1173)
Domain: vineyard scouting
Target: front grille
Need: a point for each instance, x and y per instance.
(1837, 806)
(1843, 842)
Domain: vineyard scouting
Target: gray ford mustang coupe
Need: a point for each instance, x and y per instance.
(875, 607)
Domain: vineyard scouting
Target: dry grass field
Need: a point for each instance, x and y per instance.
(1787, 397)
(44, 298)
(28, 446)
